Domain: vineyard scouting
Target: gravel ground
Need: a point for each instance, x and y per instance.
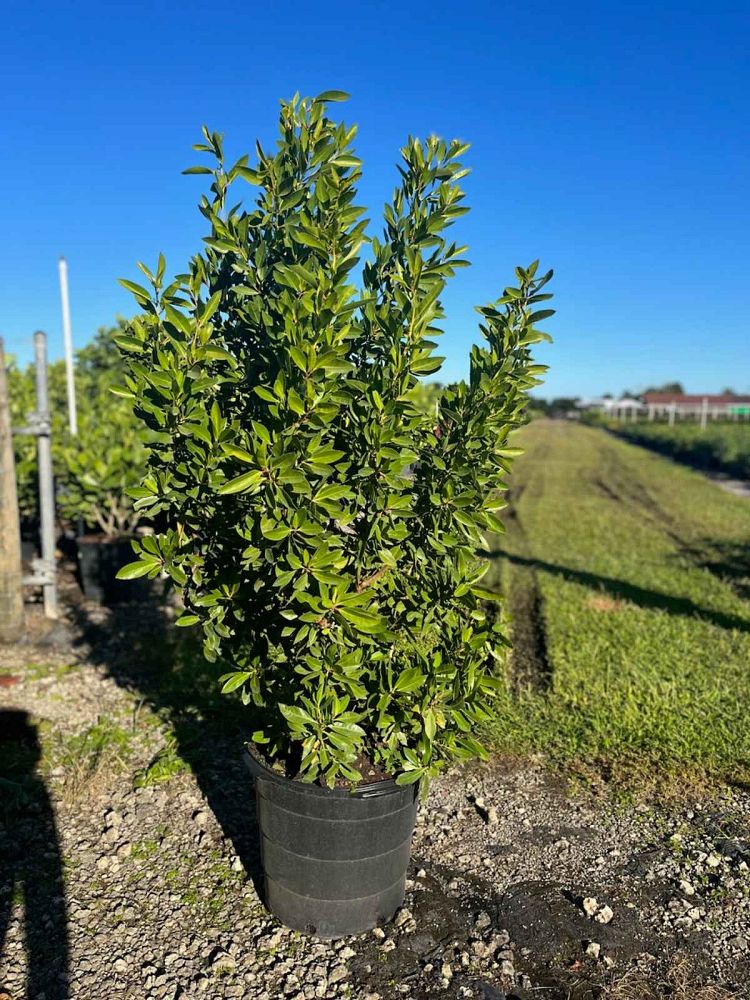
(127, 874)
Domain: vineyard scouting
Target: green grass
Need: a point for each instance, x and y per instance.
(636, 572)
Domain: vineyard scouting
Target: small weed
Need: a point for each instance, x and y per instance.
(91, 757)
(144, 849)
(167, 764)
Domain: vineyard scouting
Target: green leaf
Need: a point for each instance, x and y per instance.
(230, 682)
(332, 96)
(363, 621)
(238, 453)
(249, 175)
(261, 431)
(409, 680)
(126, 343)
(186, 620)
(332, 492)
(138, 290)
(485, 594)
(217, 354)
(135, 569)
(266, 394)
(542, 314)
(409, 777)
(242, 484)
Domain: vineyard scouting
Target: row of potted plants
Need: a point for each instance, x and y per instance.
(323, 525)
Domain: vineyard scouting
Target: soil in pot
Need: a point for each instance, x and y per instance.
(334, 859)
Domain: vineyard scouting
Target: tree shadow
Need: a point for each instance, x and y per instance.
(728, 562)
(143, 655)
(31, 871)
(625, 591)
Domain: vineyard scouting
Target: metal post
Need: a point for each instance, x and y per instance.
(68, 344)
(672, 411)
(46, 483)
(11, 586)
(704, 412)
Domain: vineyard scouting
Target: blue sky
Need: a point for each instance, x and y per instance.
(609, 139)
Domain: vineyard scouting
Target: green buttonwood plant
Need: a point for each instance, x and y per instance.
(325, 527)
(100, 465)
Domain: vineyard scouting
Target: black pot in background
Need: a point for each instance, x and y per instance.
(28, 555)
(334, 861)
(99, 559)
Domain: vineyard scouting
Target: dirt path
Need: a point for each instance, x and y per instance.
(130, 866)
(738, 487)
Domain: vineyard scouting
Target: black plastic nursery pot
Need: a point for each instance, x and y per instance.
(334, 860)
(99, 559)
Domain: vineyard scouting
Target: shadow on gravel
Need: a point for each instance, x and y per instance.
(142, 654)
(31, 871)
(629, 592)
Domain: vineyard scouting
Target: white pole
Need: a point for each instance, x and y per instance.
(68, 344)
(704, 412)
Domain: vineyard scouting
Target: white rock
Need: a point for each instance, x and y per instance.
(223, 963)
(446, 972)
(404, 916)
(347, 953)
(590, 905)
(687, 887)
(593, 949)
(604, 915)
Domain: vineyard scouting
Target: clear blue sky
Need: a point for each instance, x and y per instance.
(609, 139)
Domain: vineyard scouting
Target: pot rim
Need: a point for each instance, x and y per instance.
(373, 789)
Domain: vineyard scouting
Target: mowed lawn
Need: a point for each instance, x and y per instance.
(628, 579)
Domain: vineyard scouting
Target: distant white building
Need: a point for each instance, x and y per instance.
(620, 408)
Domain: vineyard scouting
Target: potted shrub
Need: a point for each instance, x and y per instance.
(324, 524)
(94, 472)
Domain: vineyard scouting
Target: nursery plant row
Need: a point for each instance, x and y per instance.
(720, 447)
